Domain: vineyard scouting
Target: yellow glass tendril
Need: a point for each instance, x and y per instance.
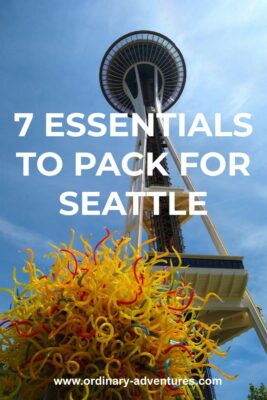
(101, 313)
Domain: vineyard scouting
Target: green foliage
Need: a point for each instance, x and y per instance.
(259, 393)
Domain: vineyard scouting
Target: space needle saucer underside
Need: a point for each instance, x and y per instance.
(142, 47)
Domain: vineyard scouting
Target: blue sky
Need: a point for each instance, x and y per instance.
(50, 52)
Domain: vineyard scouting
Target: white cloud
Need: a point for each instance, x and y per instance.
(21, 236)
(240, 96)
(226, 14)
(255, 240)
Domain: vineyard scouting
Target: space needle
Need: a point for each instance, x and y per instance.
(144, 72)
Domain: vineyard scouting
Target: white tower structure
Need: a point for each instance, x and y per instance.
(144, 72)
